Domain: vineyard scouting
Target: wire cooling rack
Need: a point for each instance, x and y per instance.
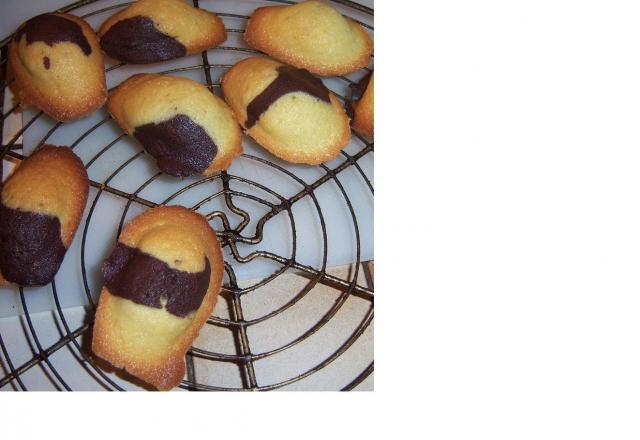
(356, 282)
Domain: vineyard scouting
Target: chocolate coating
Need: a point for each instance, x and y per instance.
(52, 29)
(289, 80)
(181, 147)
(31, 248)
(357, 90)
(136, 40)
(130, 273)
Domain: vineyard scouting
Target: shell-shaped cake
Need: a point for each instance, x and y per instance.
(185, 127)
(57, 66)
(162, 281)
(360, 108)
(41, 206)
(150, 31)
(286, 110)
(312, 35)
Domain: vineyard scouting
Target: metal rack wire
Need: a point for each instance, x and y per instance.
(232, 237)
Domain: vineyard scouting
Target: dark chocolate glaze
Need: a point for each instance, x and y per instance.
(357, 90)
(52, 29)
(136, 40)
(31, 249)
(289, 80)
(130, 273)
(181, 147)
(47, 62)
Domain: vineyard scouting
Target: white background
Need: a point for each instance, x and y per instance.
(520, 121)
(508, 244)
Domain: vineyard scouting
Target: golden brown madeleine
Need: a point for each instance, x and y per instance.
(361, 112)
(312, 35)
(286, 110)
(41, 206)
(58, 67)
(184, 126)
(161, 284)
(149, 31)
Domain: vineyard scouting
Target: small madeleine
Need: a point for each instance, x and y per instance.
(362, 106)
(312, 35)
(57, 65)
(150, 31)
(41, 205)
(184, 126)
(162, 282)
(286, 110)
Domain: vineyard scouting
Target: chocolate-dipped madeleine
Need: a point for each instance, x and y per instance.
(312, 35)
(184, 126)
(41, 206)
(286, 110)
(57, 65)
(150, 31)
(161, 284)
(360, 107)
